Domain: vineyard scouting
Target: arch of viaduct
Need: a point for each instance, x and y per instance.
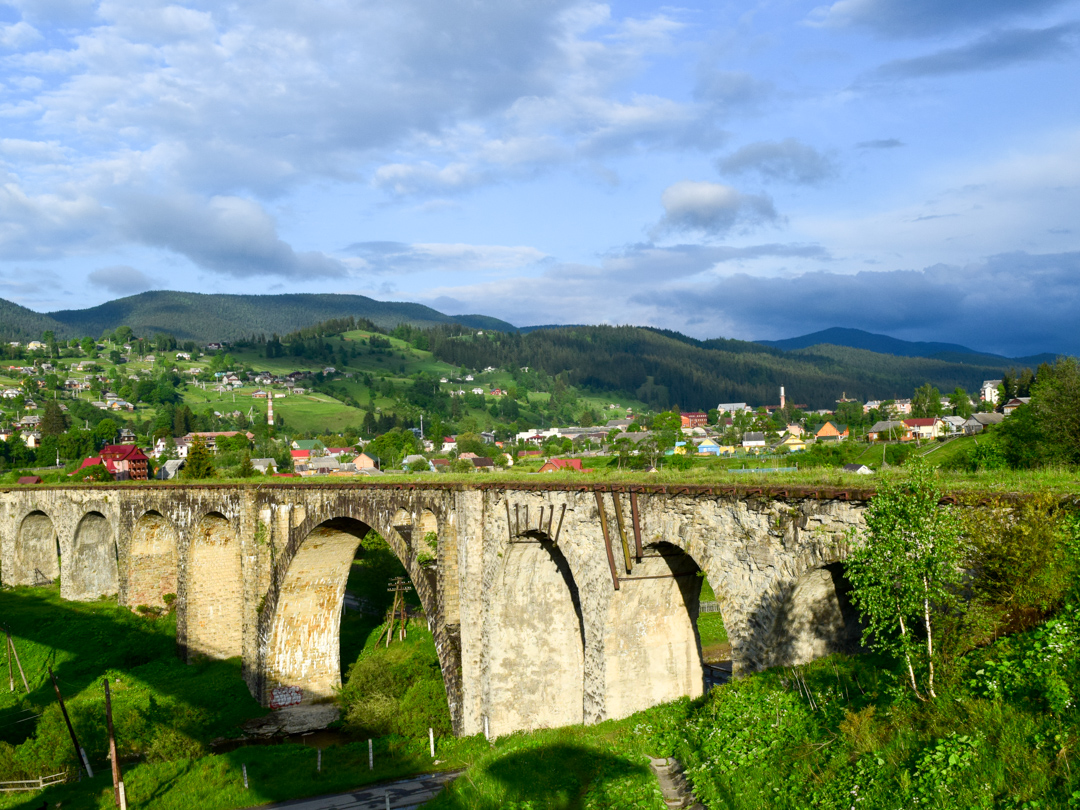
(550, 605)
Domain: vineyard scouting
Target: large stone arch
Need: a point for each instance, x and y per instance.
(274, 670)
(303, 657)
(93, 570)
(814, 618)
(37, 551)
(534, 657)
(152, 561)
(214, 590)
(652, 652)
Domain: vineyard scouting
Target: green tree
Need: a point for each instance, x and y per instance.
(246, 468)
(200, 464)
(960, 402)
(926, 402)
(1055, 402)
(906, 569)
(105, 431)
(54, 422)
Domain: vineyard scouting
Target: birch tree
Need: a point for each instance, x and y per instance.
(906, 571)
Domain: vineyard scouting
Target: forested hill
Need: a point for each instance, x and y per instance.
(883, 344)
(666, 368)
(22, 324)
(205, 318)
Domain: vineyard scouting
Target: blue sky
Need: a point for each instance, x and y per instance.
(749, 170)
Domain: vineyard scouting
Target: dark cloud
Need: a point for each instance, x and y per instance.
(884, 143)
(713, 209)
(993, 51)
(121, 279)
(1034, 298)
(227, 235)
(918, 18)
(788, 160)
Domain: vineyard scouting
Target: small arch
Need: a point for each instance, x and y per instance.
(37, 551)
(152, 561)
(303, 661)
(652, 651)
(215, 590)
(536, 642)
(816, 618)
(93, 570)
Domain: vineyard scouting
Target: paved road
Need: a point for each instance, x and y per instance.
(404, 795)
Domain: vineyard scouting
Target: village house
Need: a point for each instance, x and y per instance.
(124, 461)
(793, 443)
(694, 419)
(988, 392)
(830, 432)
(562, 465)
(753, 440)
(925, 428)
(978, 422)
(1014, 403)
(889, 430)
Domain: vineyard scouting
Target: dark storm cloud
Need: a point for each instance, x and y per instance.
(1014, 304)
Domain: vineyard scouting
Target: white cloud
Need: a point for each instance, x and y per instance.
(18, 35)
(228, 235)
(121, 279)
(712, 208)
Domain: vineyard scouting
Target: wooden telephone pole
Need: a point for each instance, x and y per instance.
(79, 752)
(399, 586)
(117, 780)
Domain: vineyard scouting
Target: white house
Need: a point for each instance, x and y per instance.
(989, 391)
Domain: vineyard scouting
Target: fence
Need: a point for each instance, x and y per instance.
(709, 607)
(33, 784)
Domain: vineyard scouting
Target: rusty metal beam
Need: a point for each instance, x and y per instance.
(660, 576)
(637, 524)
(562, 514)
(509, 528)
(607, 538)
(622, 530)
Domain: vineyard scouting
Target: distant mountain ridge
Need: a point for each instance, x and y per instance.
(210, 317)
(884, 344)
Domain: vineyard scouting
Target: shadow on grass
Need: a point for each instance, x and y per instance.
(161, 704)
(553, 776)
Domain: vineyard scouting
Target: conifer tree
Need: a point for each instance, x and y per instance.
(200, 464)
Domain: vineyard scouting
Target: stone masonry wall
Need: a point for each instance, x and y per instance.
(503, 612)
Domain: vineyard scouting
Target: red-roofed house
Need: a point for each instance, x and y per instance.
(300, 455)
(695, 419)
(126, 462)
(555, 464)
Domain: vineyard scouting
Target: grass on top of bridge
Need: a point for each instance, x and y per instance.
(1062, 481)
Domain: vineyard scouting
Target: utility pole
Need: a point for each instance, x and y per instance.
(399, 586)
(117, 780)
(79, 752)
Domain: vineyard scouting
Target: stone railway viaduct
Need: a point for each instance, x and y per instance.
(550, 604)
